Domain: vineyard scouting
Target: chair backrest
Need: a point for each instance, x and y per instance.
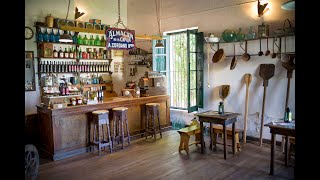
(31, 160)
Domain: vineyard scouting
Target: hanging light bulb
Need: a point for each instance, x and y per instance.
(159, 43)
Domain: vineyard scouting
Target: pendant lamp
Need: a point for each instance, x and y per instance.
(159, 43)
(290, 5)
(66, 38)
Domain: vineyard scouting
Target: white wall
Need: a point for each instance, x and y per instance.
(214, 16)
(37, 10)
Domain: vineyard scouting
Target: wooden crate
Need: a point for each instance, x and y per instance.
(46, 50)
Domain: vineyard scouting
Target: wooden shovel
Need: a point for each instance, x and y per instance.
(266, 72)
(290, 66)
(224, 92)
(247, 79)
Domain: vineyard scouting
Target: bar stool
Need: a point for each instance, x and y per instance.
(152, 111)
(99, 120)
(119, 118)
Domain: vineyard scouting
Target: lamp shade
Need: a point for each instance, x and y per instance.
(65, 38)
(290, 5)
(159, 44)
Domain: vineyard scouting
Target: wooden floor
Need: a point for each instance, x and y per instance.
(146, 159)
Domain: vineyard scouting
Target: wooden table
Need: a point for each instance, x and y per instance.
(225, 119)
(281, 128)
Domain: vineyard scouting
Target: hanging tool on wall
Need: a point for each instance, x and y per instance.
(247, 79)
(290, 66)
(266, 72)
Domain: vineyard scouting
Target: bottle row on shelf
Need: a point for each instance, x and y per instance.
(75, 52)
(65, 67)
(53, 35)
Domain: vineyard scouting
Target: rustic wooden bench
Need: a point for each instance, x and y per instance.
(217, 129)
(185, 133)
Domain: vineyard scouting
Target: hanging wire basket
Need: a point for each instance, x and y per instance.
(285, 31)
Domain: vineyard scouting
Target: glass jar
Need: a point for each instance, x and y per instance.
(228, 35)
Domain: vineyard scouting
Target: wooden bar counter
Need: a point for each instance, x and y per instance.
(65, 132)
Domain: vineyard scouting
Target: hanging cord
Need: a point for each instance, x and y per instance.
(68, 10)
(158, 16)
(119, 19)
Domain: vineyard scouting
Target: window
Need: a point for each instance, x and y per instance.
(182, 62)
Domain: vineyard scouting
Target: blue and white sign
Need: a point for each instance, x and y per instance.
(122, 39)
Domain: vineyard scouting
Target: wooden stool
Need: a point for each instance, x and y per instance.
(119, 118)
(185, 134)
(219, 130)
(152, 111)
(99, 120)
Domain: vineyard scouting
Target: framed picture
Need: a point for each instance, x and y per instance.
(29, 71)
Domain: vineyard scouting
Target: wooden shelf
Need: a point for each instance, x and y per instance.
(142, 54)
(77, 29)
(72, 72)
(97, 85)
(95, 59)
(57, 58)
(55, 43)
(269, 37)
(91, 45)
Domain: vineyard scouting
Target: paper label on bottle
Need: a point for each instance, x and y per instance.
(61, 54)
(55, 54)
(71, 55)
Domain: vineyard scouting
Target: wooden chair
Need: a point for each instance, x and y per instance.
(31, 160)
(217, 129)
(185, 133)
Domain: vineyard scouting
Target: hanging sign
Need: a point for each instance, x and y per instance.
(122, 39)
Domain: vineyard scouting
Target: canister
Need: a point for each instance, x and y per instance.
(49, 21)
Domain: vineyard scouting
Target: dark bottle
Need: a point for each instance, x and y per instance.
(48, 67)
(221, 108)
(54, 67)
(59, 67)
(45, 66)
(101, 94)
(71, 53)
(62, 67)
(287, 115)
(61, 54)
(70, 67)
(55, 53)
(66, 53)
(41, 66)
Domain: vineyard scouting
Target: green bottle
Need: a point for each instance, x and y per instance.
(91, 40)
(287, 115)
(80, 41)
(97, 41)
(221, 108)
(103, 41)
(85, 40)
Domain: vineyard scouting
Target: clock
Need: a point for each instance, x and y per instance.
(28, 33)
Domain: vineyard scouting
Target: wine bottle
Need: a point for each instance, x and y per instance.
(61, 55)
(54, 67)
(59, 67)
(62, 66)
(66, 53)
(97, 41)
(41, 66)
(71, 53)
(55, 53)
